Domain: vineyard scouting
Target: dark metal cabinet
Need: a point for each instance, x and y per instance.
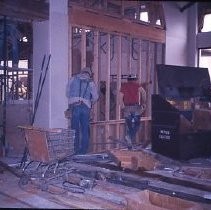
(176, 131)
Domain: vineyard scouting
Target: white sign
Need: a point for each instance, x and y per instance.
(164, 135)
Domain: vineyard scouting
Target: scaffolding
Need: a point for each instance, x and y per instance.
(15, 82)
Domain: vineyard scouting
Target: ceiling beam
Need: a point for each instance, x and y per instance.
(186, 6)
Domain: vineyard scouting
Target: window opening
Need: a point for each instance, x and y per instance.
(206, 23)
(158, 22)
(15, 60)
(205, 59)
(150, 12)
(144, 16)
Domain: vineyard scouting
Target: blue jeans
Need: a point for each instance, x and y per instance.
(133, 124)
(80, 123)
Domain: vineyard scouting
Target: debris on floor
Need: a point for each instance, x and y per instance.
(116, 179)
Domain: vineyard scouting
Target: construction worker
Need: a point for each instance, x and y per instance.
(82, 94)
(132, 101)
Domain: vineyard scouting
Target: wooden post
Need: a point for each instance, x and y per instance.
(96, 79)
(129, 55)
(139, 73)
(107, 108)
(83, 48)
(119, 68)
(148, 98)
(70, 50)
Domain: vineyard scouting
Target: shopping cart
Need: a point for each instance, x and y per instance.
(47, 147)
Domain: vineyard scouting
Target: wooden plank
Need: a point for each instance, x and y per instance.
(107, 108)
(181, 178)
(169, 202)
(136, 159)
(82, 17)
(179, 191)
(119, 73)
(83, 48)
(129, 56)
(70, 33)
(148, 91)
(114, 196)
(96, 65)
(201, 119)
(96, 79)
(149, 200)
(139, 63)
(121, 121)
(88, 201)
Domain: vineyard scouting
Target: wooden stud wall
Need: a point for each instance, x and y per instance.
(148, 79)
(84, 17)
(83, 48)
(107, 109)
(70, 51)
(119, 67)
(114, 129)
(96, 79)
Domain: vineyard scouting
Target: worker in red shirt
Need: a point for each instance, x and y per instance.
(132, 101)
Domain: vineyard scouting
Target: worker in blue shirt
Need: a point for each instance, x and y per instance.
(82, 93)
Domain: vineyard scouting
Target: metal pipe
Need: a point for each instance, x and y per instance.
(3, 139)
(38, 89)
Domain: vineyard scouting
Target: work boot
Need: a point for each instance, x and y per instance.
(129, 142)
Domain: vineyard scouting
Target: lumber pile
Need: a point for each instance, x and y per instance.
(140, 159)
(113, 188)
(113, 196)
(148, 200)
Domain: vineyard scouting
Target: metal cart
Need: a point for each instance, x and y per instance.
(47, 147)
(49, 165)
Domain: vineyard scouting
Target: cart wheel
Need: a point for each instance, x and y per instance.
(24, 180)
(43, 185)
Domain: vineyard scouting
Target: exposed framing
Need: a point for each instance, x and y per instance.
(114, 129)
(81, 17)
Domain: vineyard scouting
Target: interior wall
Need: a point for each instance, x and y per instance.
(117, 56)
(18, 113)
(203, 40)
(58, 33)
(176, 34)
(51, 39)
(181, 50)
(192, 34)
(40, 49)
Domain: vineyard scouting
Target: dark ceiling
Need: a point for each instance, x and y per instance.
(28, 10)
(22, 13)
(25, 10)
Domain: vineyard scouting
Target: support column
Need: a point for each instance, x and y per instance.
(58, 34)
(51, 38)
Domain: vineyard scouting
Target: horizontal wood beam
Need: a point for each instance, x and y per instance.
(121, 121)
(104, 22)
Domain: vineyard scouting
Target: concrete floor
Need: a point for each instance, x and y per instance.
(13, 195)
